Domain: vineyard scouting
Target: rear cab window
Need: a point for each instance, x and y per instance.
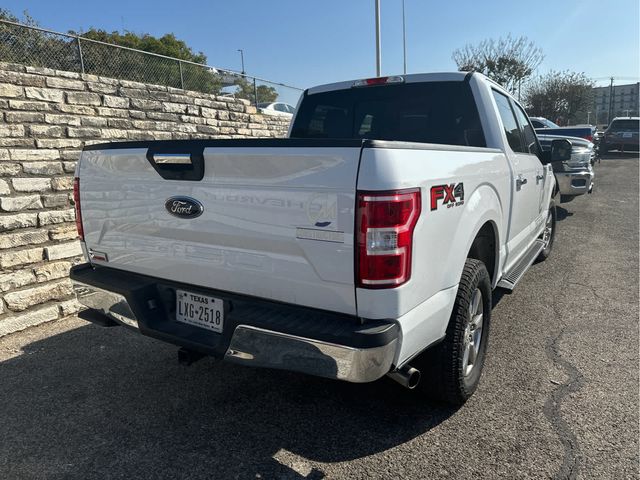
(425, 112)
(630, 125)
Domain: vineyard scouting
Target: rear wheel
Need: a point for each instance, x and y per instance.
(451, 370)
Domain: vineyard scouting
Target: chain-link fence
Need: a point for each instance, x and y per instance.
(44, 48)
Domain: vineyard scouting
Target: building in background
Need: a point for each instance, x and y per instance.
(624, 102)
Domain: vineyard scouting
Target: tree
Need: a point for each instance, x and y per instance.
(25, 20)
(33, 47)
(565, 95)
(266, 93)
(37, 48)
(167, 45)
(104, 60)
(508, 60)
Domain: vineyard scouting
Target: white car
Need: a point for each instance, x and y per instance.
(366, 244)
(277, 108)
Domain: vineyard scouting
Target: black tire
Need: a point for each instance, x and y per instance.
(443, 378)
(544, 254)
(603, 149)
(567, 198)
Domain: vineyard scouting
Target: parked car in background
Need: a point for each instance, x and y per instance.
(544, 126)
(622, 134)
(277, 108)
(575, 176)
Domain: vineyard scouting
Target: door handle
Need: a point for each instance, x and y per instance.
(520, 181)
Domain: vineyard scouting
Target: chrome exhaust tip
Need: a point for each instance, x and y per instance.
(406, 376)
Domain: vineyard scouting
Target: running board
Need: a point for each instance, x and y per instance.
(511, 278)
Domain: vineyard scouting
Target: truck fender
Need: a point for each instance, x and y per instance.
(483, 206)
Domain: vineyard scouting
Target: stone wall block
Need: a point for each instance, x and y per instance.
(63, 250)
(22, 299)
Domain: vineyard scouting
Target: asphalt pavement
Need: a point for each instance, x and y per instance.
(559, 396)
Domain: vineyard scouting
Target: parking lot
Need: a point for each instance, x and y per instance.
(559, 396)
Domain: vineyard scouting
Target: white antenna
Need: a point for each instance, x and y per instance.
(378, 57)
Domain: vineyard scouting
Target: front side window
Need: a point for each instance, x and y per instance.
(425, 112)
(509, 123)
(528, 133)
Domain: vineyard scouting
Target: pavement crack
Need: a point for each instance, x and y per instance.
(593, 290)
(553, 404)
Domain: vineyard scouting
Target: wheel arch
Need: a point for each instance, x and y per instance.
(485, 247)
(483, 216)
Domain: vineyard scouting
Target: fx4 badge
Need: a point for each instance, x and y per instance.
(453, 195)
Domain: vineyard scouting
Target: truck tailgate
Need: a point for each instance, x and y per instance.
(277, 219)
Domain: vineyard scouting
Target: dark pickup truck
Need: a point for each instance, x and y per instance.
(547, 127)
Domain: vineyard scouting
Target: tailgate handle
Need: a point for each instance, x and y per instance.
(172, 158)
(177, 160)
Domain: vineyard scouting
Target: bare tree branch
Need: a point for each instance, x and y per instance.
(508, 60)
(565, 95)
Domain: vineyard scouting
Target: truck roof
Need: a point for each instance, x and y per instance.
(410, 78)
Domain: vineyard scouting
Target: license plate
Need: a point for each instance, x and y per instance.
(199, 310)
(627, 135)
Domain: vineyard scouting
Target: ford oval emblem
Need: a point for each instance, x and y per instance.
(184, 207)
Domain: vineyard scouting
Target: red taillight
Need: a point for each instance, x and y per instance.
(589, 137)
(385, 222)
(76, 201)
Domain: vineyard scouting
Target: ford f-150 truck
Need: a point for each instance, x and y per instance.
(366, 244)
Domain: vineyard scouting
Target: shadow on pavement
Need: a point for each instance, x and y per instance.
(96, 402)
(562, 213)
(619, 156)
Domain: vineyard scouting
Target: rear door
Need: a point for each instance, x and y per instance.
(277, 219)
(525, 193)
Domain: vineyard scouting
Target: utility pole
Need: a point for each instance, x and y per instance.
(610, 102)
(242, 59)
(404, 40)
(378, 57)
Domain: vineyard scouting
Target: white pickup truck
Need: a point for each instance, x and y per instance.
(366, 244)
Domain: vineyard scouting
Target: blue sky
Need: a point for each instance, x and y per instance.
(308, 42)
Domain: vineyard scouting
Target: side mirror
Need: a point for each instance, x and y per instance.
(560, 150)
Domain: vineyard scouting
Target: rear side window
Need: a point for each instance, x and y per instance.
(625, 125)
(433, 112)
(509, 122)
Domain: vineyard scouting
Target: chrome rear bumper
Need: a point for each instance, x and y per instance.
(259, 347)
(113, 305)
(264, 348)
